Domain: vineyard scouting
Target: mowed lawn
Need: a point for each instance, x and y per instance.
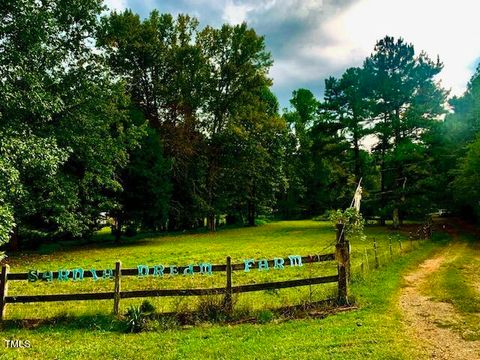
(373, 331)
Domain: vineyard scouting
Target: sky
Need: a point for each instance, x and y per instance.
(311, 40)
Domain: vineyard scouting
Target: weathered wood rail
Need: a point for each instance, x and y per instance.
(342, 257)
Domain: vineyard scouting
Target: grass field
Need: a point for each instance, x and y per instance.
(370, 332)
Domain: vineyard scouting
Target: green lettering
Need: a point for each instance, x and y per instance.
(47, 276)
(263, 264)
(205, 268)
(295, 260)
(77, 274)
(188, 270)
(248, 264)
(32, 275)
(173, 270)
(278, 263)
(143, 270)
(158, 270)
(107, 274)
(94, 274)
(63, 275)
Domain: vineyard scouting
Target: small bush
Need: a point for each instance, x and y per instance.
(265, 316)
(136, 320)
(212, 308)
(167, 322)
(147, 307)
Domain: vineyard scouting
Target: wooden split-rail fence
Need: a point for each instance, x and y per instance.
(342, 256)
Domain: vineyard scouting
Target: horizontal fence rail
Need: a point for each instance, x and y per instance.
(196, 268)
(227, 291)
(170, 292)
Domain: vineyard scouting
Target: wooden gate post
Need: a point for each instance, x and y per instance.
(228, 288)
(116, 295)
(342, 255)
(3, 289)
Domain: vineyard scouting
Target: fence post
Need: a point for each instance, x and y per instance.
(366, 259)
(377, 264)
(3, 289)
(116, 295)
(228, 288)
(343, 258)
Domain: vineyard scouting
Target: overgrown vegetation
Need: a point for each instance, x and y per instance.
(352, 220)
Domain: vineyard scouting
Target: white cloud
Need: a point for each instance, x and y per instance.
(236, 12)
(439, 27)
(116, 4)
(313, 39)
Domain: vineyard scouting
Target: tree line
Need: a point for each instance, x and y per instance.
(163, 125)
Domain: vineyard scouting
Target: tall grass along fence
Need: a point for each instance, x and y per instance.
(379, 255)
(342, 256)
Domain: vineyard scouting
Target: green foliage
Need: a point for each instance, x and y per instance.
(352, 220)
(136, 320)
(206, 94)
(347, 101)
(144, 201)
(465, 185)
(407, 100)
(147, 307)
(316, 178)
(265, 316)
(159, 123)
(211, 309)
(393, 98)
(64, 133)
(454, 152)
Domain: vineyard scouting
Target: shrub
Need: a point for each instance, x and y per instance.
(136, 319)
(147, 307)
(265, 316)
(353, 221)
(212, 308)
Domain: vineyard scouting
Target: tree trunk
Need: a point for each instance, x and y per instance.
(356, 154)
(118, 229)
(14, 243)
(396, 218)
(251, 213)
(211, 226)
(382, 183)
(231, 219)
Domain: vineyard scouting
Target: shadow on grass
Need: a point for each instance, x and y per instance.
(180, 320)
(107, 241)
(67, 322)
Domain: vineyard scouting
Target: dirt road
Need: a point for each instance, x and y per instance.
(431, 322)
